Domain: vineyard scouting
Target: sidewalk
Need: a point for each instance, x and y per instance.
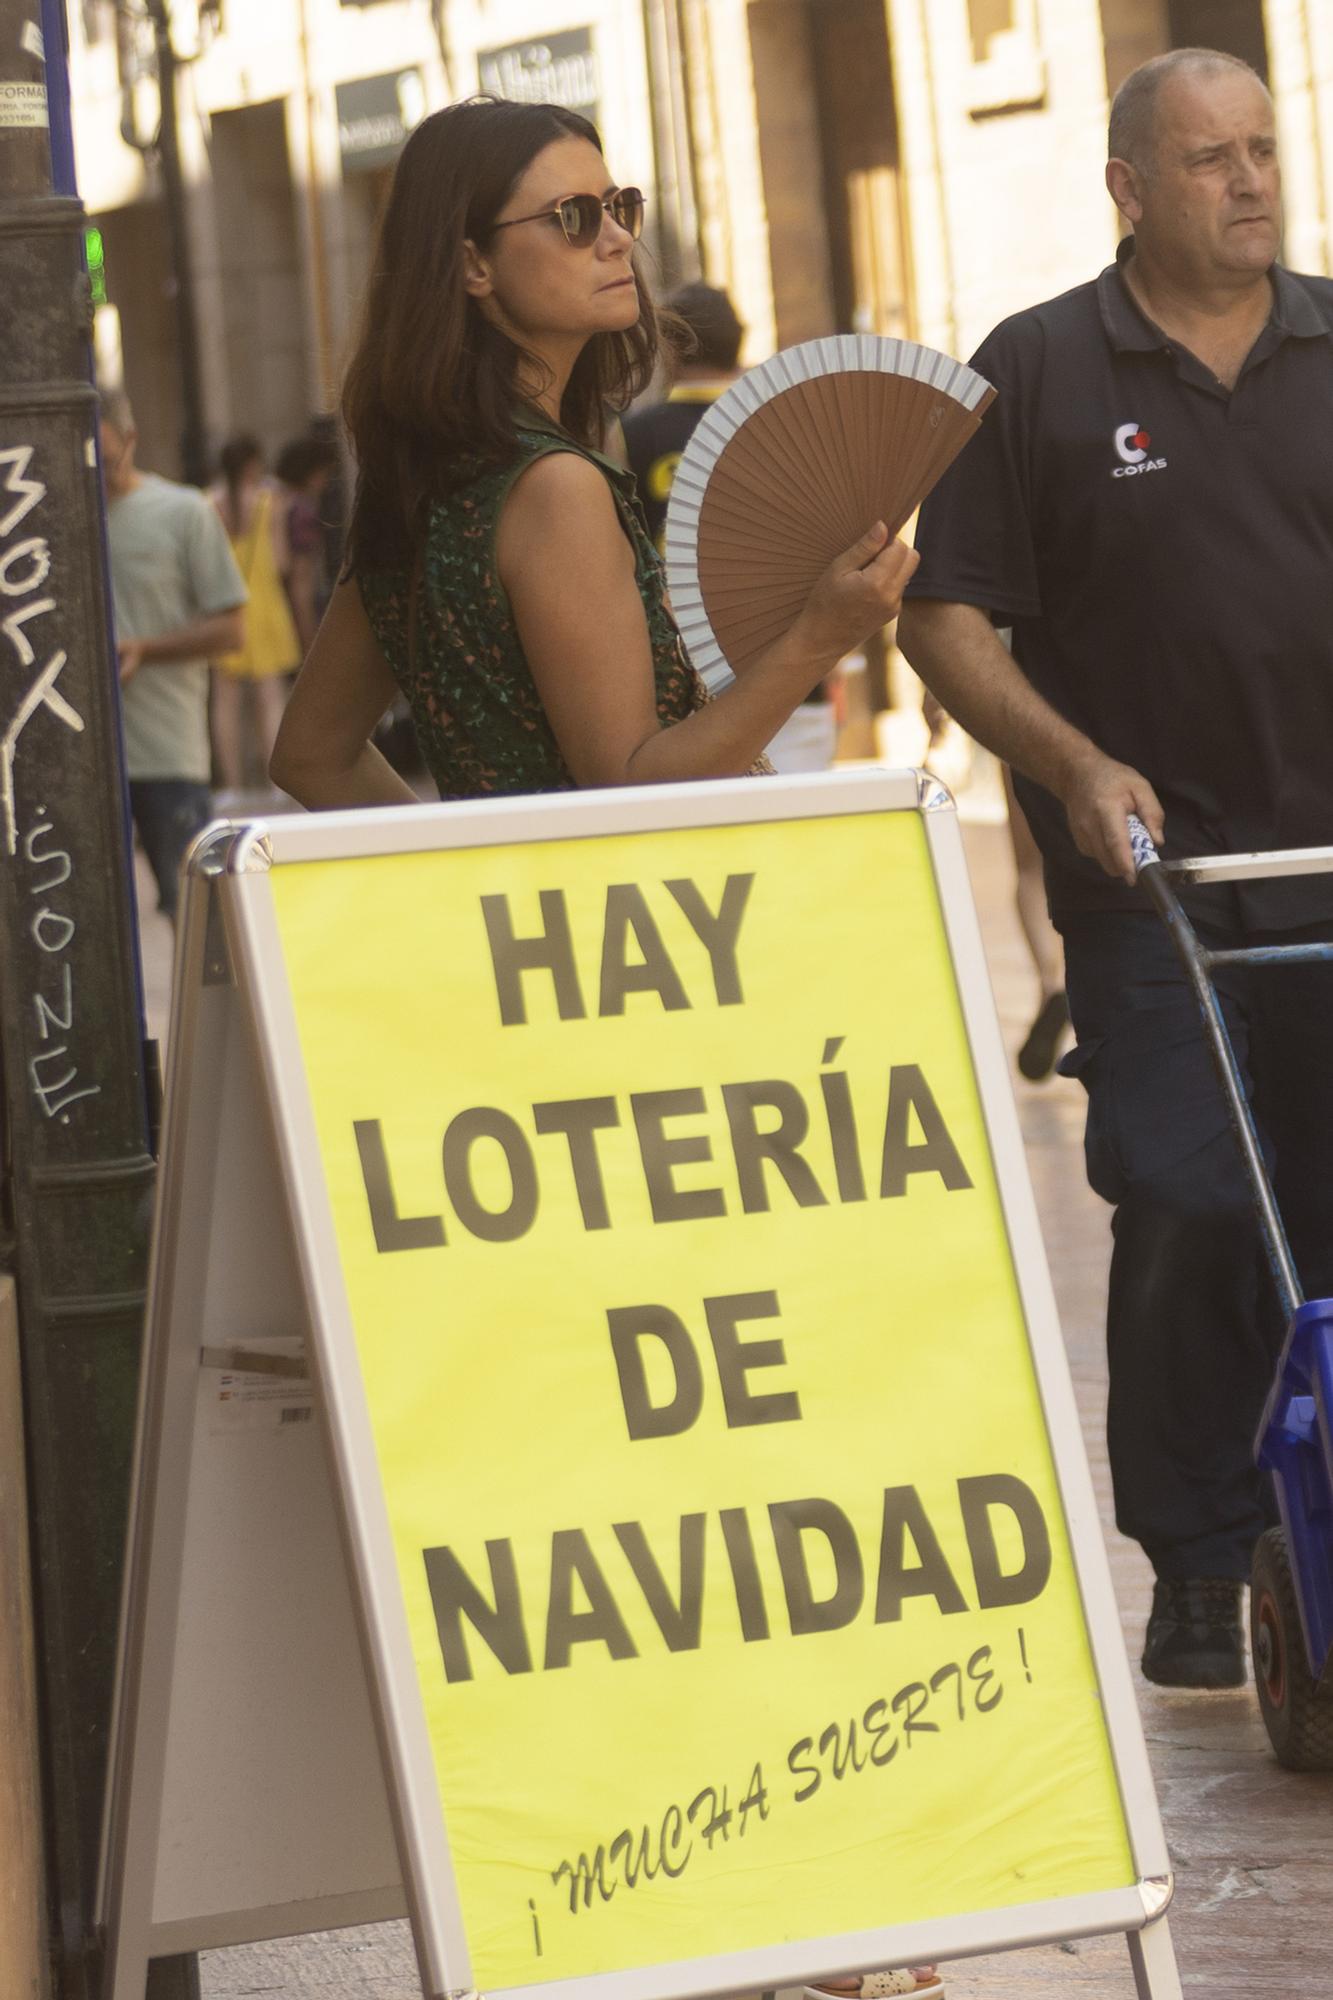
(1252, 1845)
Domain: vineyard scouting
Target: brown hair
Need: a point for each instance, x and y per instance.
(236, 454)
(113, 407)
(432, 378)
(712, 325)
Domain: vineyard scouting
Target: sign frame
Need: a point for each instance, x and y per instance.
(378, 101)
(231, 933)
(532, 83)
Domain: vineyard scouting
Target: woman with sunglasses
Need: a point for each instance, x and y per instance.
(498, 569)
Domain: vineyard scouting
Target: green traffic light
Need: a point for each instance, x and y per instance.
(96, 258)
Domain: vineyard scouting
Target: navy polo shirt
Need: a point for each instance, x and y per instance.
(1163, 550)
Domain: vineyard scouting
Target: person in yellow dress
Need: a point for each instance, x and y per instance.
(255, 519)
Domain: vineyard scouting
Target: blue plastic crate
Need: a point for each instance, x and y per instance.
(1296, 1445)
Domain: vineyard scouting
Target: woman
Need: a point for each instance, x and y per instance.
(304, 469)
(255, 521)
(499, 569)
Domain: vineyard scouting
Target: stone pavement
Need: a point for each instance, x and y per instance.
(1252, 1845)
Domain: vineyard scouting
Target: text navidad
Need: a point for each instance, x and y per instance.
(659, 1353)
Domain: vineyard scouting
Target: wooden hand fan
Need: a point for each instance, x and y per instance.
(790, 466)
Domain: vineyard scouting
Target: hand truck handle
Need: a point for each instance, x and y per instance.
(1141, 845)
(1198, 963)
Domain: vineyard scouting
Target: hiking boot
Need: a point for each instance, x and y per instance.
(1195, 1638)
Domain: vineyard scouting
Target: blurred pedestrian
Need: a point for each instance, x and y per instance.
(656, 435)
(708, 363)
(254, 516)
(1150, 505)
(326, 428)
(178, 600)
(1048, 1029)
(1036, 1057)
(304, 469)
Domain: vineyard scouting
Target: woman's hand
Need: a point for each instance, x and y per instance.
(860, 591)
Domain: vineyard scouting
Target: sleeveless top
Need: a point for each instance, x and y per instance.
(271, 645)
(478, 716)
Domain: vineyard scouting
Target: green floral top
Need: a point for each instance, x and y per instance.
(478, 715)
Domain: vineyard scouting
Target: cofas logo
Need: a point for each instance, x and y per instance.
(1133, 445)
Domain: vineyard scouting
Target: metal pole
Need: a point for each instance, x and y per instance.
(24, 1960)
(55, 33)
(76, 1173)
(194, 432)
(325, 365)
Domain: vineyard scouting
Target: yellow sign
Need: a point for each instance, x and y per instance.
(733, 1555)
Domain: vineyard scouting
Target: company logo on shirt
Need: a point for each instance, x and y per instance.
(1133, 445)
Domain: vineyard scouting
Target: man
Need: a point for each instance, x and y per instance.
(178, 599)
(1149, 505)
(657, 434)
(655, 438)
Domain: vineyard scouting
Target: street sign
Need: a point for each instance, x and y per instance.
(686, 1434)
(561, 69)
(376, 117)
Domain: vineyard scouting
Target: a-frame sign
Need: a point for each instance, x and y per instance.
(608, 1478)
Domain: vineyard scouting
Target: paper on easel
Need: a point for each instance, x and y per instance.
(248, 1400)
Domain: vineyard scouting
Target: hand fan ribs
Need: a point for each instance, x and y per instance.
(791, 465)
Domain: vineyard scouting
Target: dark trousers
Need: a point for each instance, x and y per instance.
(1193, 1325)
(167, 814)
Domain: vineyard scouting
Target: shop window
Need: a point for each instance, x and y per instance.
(1008, 71)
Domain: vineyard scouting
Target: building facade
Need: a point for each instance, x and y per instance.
(918, 167)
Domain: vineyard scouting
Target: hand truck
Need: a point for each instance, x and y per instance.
(1291, 1590)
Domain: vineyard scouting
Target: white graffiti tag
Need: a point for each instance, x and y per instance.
(24, 568)
(27, 686)
(55, 1083)
(42, 693)
(29, 492)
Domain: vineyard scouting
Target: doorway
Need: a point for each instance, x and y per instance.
(828, 146)
(1135, 30)
(259, 277)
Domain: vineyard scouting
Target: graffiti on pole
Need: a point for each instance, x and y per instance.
(25, 597)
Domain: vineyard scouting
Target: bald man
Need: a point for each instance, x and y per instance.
(1149, 507)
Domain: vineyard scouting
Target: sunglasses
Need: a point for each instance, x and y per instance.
(580, 216)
